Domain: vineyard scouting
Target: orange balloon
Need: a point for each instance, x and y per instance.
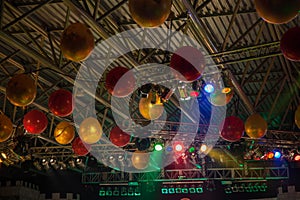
(148, 110)
(77, 42)
(277, 11)
(150, 13)
(221, 98)
(140, 160)
(21, 90)
(90, 130)
(297, 117)
(64, 132)
(6, 128)
(255, 126)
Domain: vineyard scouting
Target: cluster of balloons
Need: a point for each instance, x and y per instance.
(280, 12)
(232, 128)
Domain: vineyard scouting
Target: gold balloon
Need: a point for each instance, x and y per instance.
(140, 160)
(64, 132)
(297, 117)
(6, 128)
(90, 130)
(21, 90)
(255, 126)
(77, 42)
(151, 111)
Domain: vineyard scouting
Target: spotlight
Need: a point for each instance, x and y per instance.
(4, 155)
(178, 146)
(120, 158)
(297, 158)
(277, 154)
(158, 146)
(203, 148)
(45, 164)
(270, 155)
(79, 163)
(209, 88)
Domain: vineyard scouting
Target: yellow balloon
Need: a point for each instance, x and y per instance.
(148, 110)
(140, 159)
(90, 130)
(255, 126)
(297, 117)
(21, 90)
(6, 128)
(221, 97)
(64, 132)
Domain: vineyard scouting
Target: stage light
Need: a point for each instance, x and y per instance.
(4, 155)
(178, 147)
(270, 155)
(158, 147)
(192, 149)
(297, 158)
(169, 149)
(203, 148)
(277, 154)
(209, 88)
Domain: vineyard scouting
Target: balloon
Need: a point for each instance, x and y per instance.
(150, 13)
(61, 103)
(80, 148)
(277, 11)
(189, 64)
(255, 126)
(35, 122)
(126, 82)
(77, 42)
(6, 128)
(219, 98)
(118, 137)
(148, 110)
(140, 160)
(64, 132)
(297, 117)
(290, 44)
(21, 90)
(90, 130)
(232, 129)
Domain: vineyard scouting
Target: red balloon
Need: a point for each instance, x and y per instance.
(189, 64)
(35, 122)
(233, 129)
(61, 103)
(120, 83)
(290, 44)
(119, 137)
(80, 148)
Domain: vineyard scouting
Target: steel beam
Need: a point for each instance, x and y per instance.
(209, 44)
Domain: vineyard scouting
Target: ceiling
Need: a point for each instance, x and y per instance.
(240, 43)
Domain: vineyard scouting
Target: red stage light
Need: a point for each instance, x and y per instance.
(270, 155)
(297, 158)
(178, 146)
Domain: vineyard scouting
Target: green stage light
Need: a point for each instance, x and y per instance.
(158, 147)
(164, 190)
(192, 149)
